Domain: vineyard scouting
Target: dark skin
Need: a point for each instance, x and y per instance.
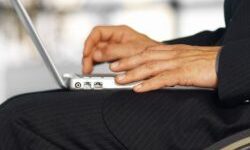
(150, 62)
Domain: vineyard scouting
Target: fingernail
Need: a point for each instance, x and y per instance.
(138, 87)
(121, 77)
(98, 55)
(114, 65)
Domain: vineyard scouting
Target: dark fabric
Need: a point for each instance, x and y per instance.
(118, 120)
(205, 38)
(234, 63)
(59, 120)
(230, 6)
(234, 73)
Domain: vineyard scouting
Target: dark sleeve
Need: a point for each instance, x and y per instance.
(234, 61)
(205, 38)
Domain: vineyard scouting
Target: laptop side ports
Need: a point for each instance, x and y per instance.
(87, 85)
(98, 85)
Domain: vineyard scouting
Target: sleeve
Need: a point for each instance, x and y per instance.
(234, 61)
(205, 38)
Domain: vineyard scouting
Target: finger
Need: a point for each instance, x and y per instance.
(110, 52)
(165, 79)
(145, 71)
(102, 34)
(113, 52)
(87, 62)
(139, 59)
(87, 66)
(102, 45)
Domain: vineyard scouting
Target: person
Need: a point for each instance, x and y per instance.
(160, 119)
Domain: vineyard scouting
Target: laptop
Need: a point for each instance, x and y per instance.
(69, 80)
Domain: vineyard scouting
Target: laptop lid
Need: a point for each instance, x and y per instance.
(28, 24)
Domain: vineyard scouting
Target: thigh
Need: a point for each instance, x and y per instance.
(58, 120)
(173, 119)
(117, 120)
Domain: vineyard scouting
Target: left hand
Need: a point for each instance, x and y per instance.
(169, 65)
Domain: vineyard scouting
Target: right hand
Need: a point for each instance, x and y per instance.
(111, 43)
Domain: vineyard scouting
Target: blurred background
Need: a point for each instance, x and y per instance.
(64, 25)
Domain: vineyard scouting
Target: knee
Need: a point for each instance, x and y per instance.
(15, 106)
(13, 113)
(7, 121)
(13, 121)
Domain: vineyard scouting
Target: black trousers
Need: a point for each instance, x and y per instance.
(118, 120)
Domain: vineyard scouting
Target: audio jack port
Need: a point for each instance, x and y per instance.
(78, 85)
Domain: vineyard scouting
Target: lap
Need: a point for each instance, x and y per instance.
(58, 120)
(174, 119)
(154, 120)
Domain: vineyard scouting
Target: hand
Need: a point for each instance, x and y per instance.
(165, 66)
(110, 43)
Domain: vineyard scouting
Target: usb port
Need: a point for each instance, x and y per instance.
(87, 85)
(98, 85)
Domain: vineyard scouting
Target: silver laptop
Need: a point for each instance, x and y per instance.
(70, 81)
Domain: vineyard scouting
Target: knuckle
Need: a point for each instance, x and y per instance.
(182, 74)
(96, 29)
(110, 48)
(150, 65)
(181, 45)
(178, 53)
(146, 54)
(106, 51)
(125, 26)
(177, 62)
(149, 48)
(174, 54)
(131, 75)
(162, 76)
(149, 84)
(167, 80)
(124, 62)
(173, 47)
(132, 63)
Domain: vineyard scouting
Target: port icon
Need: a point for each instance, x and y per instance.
(78, 85)
(98, 85)
(87, 85)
